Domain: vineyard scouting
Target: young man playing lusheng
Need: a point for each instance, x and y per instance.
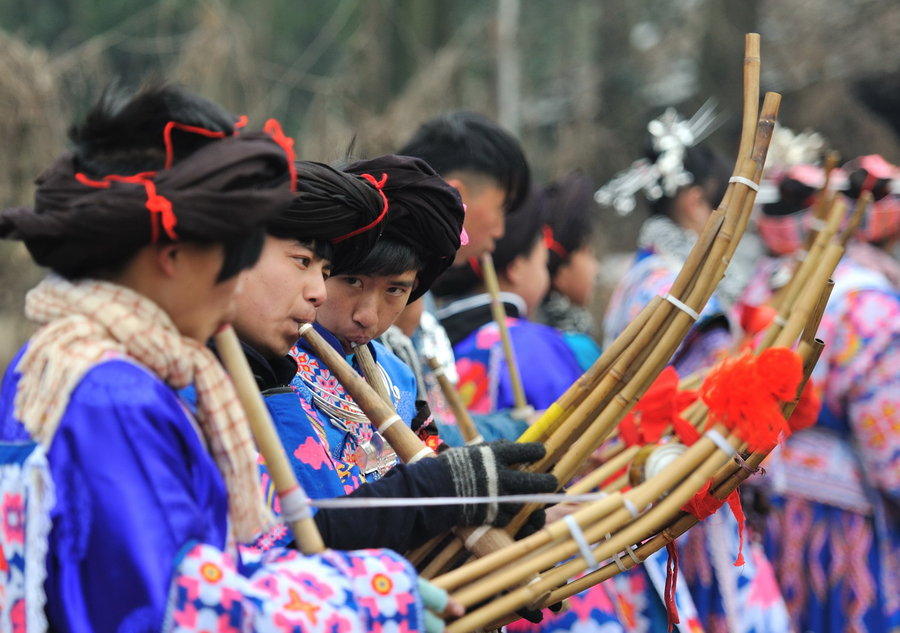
(285, 289)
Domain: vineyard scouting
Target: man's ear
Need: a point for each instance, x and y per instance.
(167, 258)
(515, 272)
(459, 185)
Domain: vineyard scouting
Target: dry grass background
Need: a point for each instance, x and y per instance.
(574, 115)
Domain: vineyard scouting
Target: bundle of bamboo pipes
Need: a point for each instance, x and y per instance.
(616, 533)
(583, 417)
(588, 413)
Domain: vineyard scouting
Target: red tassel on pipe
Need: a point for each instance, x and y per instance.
(734, 502)
(671, 582)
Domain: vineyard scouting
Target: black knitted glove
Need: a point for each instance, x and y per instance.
(484, 470)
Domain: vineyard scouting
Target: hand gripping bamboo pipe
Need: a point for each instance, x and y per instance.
(402, 439)
(306, 534)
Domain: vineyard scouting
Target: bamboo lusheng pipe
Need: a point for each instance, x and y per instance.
(824, 202)
(801, 275)
(825, 199)
(403, 440)
(557, 412)
(661, 347)
(643, 551)
(812, 324)
(724, 483)
(305, 531)
(522, 410)
(372, 373)
(600, 399)
(864, 200)
(463, 420)
(552, 578)
(595, 518)
(730, 472)
(725, 480)
(671, 336)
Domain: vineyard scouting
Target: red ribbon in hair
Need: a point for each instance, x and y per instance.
(161, 212)
(160, 207)
(379, 186)
(273, 129)
(551, 243)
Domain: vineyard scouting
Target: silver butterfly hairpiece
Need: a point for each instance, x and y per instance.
(670, 136)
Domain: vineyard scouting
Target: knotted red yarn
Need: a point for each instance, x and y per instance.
(745, 395)
(659, 407)
(705, 504)
(671, 582)
(755, 319)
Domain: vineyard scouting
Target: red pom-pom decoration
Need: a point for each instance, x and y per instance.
(745, 393)
(807, 410)
(659, 408)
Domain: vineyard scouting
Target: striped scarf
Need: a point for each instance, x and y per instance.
(87, 321)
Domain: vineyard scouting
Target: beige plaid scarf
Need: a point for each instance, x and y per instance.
(89, 320)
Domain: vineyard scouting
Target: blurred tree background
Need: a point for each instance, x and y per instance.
(576, 80)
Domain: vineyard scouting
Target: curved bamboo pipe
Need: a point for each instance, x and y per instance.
(305, 531)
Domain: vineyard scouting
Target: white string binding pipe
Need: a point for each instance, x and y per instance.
(721, 442)
(681, 305)
(476, 535)
(391, 421)
(780, 321)
(744, 181)
(420, 455)
(581, 542)
(630, 551)
(629, 505)
(617, 556)
(475, 440)
(295, 506)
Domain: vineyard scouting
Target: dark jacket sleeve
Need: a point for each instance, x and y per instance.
(400, 529)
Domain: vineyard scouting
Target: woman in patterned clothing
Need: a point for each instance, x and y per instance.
(835, 487)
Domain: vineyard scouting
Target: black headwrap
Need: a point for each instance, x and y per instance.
(424, 212)
(216, 194)
(571, 215)
(523, 230)
(335, 207)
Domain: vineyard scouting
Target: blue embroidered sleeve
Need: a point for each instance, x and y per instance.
(134, 484)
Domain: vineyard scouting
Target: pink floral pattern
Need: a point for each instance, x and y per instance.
(351, 592)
